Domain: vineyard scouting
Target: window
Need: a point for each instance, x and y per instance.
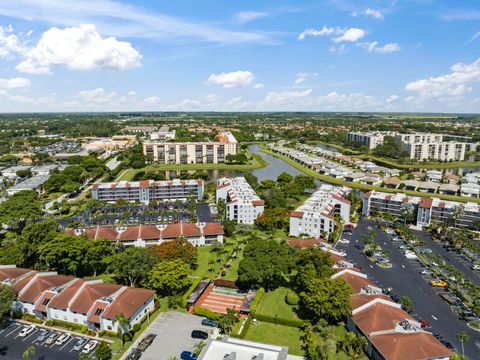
(45, 302)
(98, 312)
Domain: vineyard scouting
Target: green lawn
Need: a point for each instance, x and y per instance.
(278, 335)
(211, 262)
(355, 185)
(232, 271)
(273, 304)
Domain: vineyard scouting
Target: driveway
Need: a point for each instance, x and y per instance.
(173, 330)
(405, 279)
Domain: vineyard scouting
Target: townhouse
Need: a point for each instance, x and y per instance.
(147, 190)
(317, 216)
(50, 296)
(198, 234)
(242, 204)
(426, 210)
(192, 152)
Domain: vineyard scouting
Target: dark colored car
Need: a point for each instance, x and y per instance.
(199, 334)
(135, 354)
(146, 342)
(209, 322)
(424, 323)
(187, 355)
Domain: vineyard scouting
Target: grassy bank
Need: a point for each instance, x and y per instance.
(257, 162)
(354, 185)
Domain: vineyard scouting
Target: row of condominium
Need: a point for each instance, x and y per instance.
(421, 146)
(192, 152)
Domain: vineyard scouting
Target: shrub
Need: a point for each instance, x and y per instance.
(206, 313)
(175, 302)
(106, 333)
(291, 298)
(32, 318)
(136, 328)
(68, 326)
(256, 301)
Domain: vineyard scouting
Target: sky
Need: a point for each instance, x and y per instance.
(221, 55)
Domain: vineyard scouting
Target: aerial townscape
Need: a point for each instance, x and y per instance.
(205, 180)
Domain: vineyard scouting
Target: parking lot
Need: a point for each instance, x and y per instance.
(12, 345)
(173, 330)
(405, 278)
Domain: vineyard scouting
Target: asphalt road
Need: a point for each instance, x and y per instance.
(405, 279)
(12, 346)
(451, 257)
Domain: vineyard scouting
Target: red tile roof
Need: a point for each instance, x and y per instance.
(63, 298)
(41, 283)
(362, 299)
(426, 202)
(12, 273)
(90, 293)
(379, 317)
(96, 311)
(128, 302)
(213, 228)
(357, 282)
(298, 214)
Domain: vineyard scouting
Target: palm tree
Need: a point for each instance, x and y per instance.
(199, 347)
(123, 325)
(463, 337)
(29, 352)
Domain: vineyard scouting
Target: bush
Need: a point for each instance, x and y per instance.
(207, 313)
(136, 328)
(280, 321)
(246, 327)
(291, 298)
(174, 302)
(106, 333)
(256, 301)
(68, 326)
(31, 318)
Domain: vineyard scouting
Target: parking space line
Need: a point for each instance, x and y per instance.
(10, 333)
(33, 332)
(8, 327)
(67, 343)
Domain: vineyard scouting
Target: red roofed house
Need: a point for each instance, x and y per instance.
(144, 235)
(95, 304)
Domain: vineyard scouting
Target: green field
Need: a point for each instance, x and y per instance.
(273, 304)
(210, 262)
(257, 162)
(278, 335)
(340, 182)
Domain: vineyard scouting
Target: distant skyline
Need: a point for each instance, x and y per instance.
(332, 55)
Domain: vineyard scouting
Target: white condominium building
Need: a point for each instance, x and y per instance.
(192, 152)
(317, 216)
(371, 139)
(426, 210)
(146, 190)
(242, 203)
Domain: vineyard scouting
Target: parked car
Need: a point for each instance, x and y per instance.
(27, 330)
(476, 267)
(187, 355)
(43, 335)
(80, 344)
(424, 323)
(209, 322)
(63, 339)
(146, 342)
(92, 344)
(52, 338)
(199, 334)
(438, 283)
(135, 354)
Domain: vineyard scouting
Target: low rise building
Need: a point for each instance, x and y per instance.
(32, 184)
(192, 152)
(317, 216)
(164, 133)
(229, 348)
(11, 172)
(50, 296)
(242, 204)
(116, 143)
(146, 235)
(426, 210)
(148, 190)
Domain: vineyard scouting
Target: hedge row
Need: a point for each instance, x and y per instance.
(190, 290)
(244, 331)
(31, 318)
(206, 313)
(69, 326)
(256, 301)
(280, 321)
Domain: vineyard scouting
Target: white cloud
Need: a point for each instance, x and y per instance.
(248, 16)
(453, 84)
(78, 48)
(300, 80)
(14, 83)
(120, 19)
(285, 97)
(341, 49)
(9, 43)
(376, 14)
(351, 35)
(258, 86)
(392, 98)
(96, 96)
(150, 101)
(132, 93)
(374, 47)
(337, 34)
(232, 79)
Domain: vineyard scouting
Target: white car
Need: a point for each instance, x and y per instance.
(410, 255)
(92, 344)
(63, 339)
(27, 330)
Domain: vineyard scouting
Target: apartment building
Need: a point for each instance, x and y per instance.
(192, 152)
(370, 139)
(426, 210)
(423, 146)
(198, 234)
(242, 204)
(317, 216)
(147, 190)
(48, 295)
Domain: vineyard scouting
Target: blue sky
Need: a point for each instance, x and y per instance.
(332, 55)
